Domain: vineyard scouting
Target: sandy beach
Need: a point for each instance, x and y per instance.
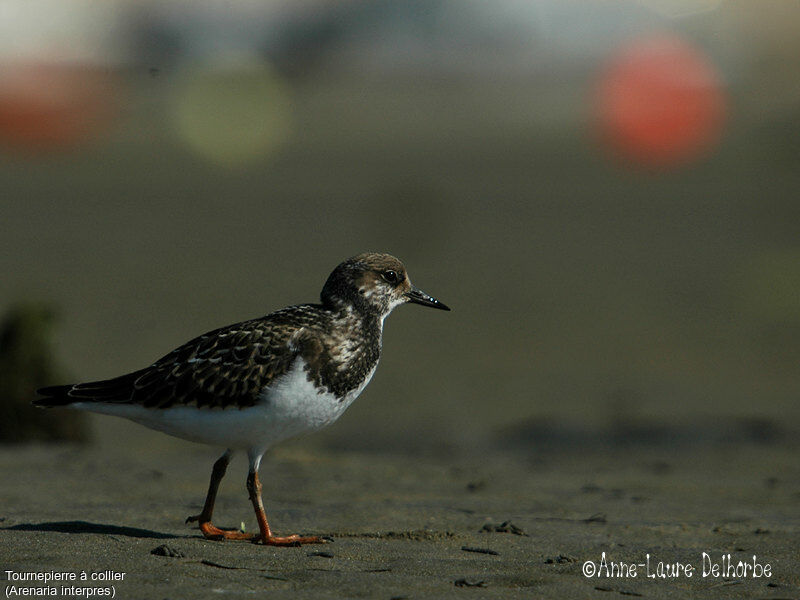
(502, 521)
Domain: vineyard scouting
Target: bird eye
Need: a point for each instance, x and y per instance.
(391, 276)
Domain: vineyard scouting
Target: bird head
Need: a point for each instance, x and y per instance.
(373, 283)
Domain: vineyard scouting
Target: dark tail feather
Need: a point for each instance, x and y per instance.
(55, 395)
(118, 389)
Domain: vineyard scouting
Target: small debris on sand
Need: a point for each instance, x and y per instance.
(557, 560)
(480, 550)
(164, 550)
(504, 527)
(466, 583)
(596, 518)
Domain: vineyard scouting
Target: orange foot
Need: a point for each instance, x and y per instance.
(289, 540)
(212, 532)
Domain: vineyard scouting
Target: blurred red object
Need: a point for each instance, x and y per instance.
(660, 103)
(52, 106)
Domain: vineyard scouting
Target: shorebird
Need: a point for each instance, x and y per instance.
(253, 384)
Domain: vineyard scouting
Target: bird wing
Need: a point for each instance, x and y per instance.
(225, 368)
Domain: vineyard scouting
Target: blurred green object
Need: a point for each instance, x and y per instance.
(26, 364)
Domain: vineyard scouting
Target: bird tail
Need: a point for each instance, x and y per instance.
(55, 395)
(118, 389)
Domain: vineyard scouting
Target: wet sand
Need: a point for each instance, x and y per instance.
(408, 526)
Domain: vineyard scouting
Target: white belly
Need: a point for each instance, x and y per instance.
(290, 406)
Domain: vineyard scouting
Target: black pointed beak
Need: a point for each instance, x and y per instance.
(417, 296)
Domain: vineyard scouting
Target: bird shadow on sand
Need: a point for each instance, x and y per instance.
(86, 527)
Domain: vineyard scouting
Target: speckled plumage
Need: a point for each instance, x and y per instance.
(229, 367)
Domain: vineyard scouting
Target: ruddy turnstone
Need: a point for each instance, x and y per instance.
(250, 385)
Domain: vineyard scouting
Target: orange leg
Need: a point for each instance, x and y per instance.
(266, 536)
(210, 531)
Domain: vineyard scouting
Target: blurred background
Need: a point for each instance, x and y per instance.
(606, 193)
